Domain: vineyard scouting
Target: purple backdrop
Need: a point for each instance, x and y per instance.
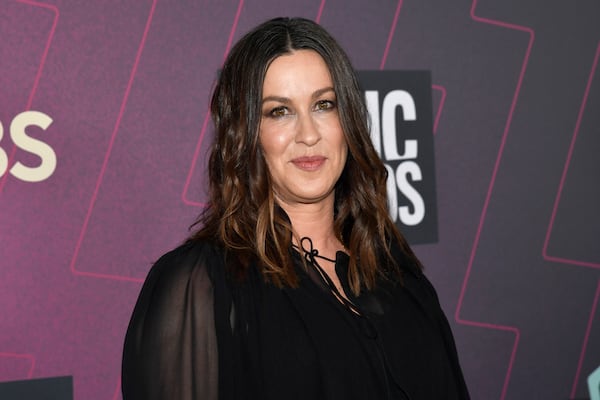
(516, 91)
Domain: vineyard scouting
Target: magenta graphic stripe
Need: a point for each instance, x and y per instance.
(320, 12)
(391, 35)
(565, 171)
(482, 218)
(107, 157)
(188, 179)
(440, 107)
(117, 393)
(46, 48)
(233, 28)
(29, 357)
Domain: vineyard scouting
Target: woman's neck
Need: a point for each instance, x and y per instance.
(316, 222)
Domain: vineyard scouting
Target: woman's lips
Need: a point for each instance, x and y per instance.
(309, 163)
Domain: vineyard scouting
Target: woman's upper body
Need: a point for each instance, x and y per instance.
(248, 307)
(200, 333)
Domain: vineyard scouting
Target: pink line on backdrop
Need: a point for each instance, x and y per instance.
(320, 12)
(440, 107)
(46, 48)
(105, 162)
(588, 330)
(195, 157)
(38, 74)
(236, 20)
(563, 178)
(117, 390)
(188, 179)
(385, 56)
(391, 35)
(482, 218)
(29, 357)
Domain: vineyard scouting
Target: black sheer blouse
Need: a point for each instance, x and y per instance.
(195, 333)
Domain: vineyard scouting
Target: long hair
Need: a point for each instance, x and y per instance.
(242, 214)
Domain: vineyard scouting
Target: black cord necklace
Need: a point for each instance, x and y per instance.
(311, 255)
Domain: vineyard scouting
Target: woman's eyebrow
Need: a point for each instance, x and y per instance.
(285, 100)
(278, 99)
(320, 92)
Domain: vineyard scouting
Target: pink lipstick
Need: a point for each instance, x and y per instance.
(309, 163)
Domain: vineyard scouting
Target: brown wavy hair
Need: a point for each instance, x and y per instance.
(242, 214)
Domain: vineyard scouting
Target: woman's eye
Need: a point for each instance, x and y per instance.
(278, 112)
(323, 105)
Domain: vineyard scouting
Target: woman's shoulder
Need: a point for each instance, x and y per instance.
(412, 276)
(173, 325)
(189, 262)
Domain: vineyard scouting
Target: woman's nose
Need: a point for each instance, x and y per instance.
(307, 130)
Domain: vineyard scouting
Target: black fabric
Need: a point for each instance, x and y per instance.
(197, 334)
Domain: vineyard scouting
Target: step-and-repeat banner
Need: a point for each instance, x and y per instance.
(486, 114)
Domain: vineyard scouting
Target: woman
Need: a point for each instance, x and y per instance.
(297, 285)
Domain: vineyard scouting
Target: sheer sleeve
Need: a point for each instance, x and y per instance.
(170, 349)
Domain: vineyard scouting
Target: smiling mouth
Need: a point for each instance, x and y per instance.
(309, 163)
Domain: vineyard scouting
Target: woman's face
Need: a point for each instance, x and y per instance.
(300, 132)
